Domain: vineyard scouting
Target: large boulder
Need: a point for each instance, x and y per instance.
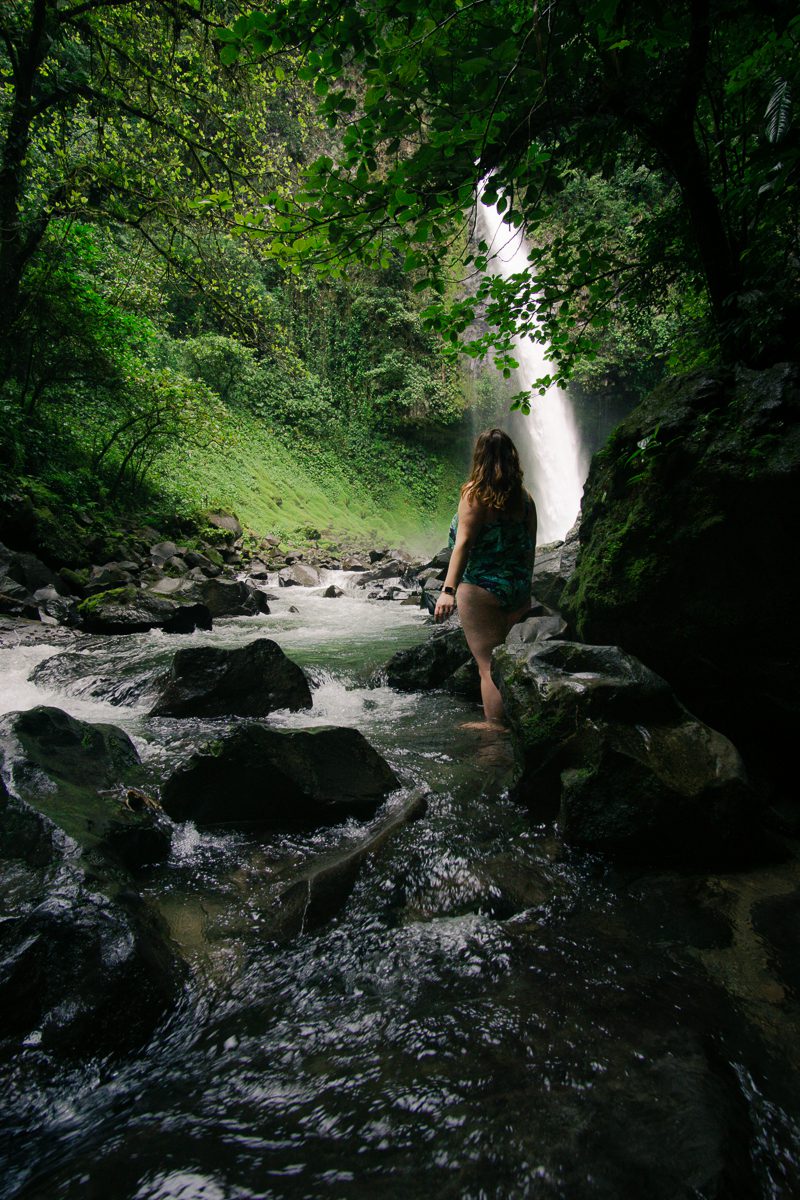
(226, 523)
(606, 739)
(250, 681)
(428, 665)
(25, 582)
(110, 575)
(298, 575)
(689, 517)
(69, 775)
(86, 967)
(230, 598)
(83, 974)
(130, 610)
(280, 779)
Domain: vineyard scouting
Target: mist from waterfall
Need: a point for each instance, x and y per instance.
(547, 440)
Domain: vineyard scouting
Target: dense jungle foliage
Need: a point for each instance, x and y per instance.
(232, 237)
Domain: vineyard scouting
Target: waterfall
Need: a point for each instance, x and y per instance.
(547, 440)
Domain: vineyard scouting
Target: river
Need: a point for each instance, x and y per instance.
(489, 1015)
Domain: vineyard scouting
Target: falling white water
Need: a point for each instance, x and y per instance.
(547, 440)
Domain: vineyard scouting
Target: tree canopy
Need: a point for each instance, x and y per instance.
(121, 111)
(426, 101)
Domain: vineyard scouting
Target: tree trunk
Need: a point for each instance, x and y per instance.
(18, 241)
(682, 155)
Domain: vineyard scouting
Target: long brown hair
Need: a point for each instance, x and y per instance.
(496, 475)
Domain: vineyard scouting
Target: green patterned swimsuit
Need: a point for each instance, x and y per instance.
(501, 558)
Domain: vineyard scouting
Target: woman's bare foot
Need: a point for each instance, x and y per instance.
(488, 723)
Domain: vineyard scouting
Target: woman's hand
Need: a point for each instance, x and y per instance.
(444, 606)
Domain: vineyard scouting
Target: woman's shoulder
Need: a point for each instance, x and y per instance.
(471, 502)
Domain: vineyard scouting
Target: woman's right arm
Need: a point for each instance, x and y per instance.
(470, 519)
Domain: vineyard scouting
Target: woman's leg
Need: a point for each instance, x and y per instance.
(485, 624)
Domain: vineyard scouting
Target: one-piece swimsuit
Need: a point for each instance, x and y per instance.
(501, 558)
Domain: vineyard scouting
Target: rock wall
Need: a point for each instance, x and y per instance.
(690, 523)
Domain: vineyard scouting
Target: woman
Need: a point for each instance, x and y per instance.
(493, 539)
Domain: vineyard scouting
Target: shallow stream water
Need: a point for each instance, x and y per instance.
(488, 1015)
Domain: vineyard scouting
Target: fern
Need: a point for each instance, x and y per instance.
(779, 111)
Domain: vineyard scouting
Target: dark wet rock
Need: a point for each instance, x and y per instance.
(73, 582)
(293, 608)
(298, 575)
(82, 974)
(213, 555)
(74, 672)
(333, 592)
(550, 688)
(195, 560)
(554, 567)
(430, 594)
(634, 772)
(161, 552)
(21, 631)
(429, 664)
(112, 575)
(441, 561)
(130, 610)
(394, 568)
(23, 578)
(376, 555)
(547, 627)
(389, 593)
(77, 776)
(227, 523)
(465, 681)
(55, 609)
(250, 681)
(431, 580)
(167, 585)
(280, 779)
(185, 618)
(320, 890)
(777, 922)
(230, 598)
(665, 793)
(176, 565)
(258, 570)
(687, 516)
(25, 569)
(25, 834)
(16, 601)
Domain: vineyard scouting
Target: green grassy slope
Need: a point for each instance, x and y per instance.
(362, 492)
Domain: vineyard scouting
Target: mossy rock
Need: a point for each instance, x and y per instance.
(689, 521)
(78, 776)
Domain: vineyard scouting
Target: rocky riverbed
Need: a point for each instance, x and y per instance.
(316, 950)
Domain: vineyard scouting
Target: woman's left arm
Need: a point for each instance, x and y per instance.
(470, 519)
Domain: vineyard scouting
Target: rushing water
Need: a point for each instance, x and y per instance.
(487, 1016)
(547, 439)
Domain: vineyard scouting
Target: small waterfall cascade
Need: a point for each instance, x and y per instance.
(547, 440)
